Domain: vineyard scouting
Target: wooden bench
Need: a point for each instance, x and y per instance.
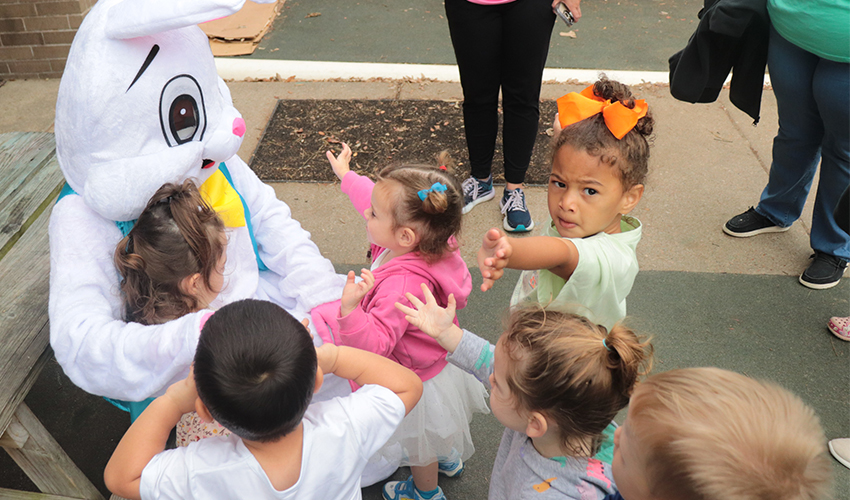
(30, 180)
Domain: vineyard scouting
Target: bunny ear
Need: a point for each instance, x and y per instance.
(135, 18)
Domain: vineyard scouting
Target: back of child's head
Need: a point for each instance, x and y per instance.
(630, 155)
(712, 434)
(573, 371)
(177, 235)
(255, 369)
(430, 200)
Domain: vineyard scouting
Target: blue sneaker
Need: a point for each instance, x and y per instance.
(405, 490)
(451, 466)
(517, 218)
(476, 191)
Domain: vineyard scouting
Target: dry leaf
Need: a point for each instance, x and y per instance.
(570, 34)
(313, 14)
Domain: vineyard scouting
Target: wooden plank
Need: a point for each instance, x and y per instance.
(15, 436)
(24, 333)
(47, 464)
(29, 175)
(28, 495)
(7, 412)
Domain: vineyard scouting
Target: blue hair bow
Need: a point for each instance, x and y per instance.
(437, 187)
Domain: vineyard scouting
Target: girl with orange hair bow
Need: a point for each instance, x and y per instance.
(585, 261)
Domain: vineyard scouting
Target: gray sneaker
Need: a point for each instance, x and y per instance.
(517, 217)
(476, 191)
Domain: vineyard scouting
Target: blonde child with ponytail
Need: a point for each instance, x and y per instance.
(557, 380)
(413, 216)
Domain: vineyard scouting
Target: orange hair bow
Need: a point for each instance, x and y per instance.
(619, 119)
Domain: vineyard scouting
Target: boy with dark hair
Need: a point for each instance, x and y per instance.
(255, 371)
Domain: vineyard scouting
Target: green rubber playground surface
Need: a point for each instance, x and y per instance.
(623, 35)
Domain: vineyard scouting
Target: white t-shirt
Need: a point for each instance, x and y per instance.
(339, 437)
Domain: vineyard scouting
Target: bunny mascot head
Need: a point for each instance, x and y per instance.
(139, 105)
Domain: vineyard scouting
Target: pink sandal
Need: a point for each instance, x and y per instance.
(840, 327)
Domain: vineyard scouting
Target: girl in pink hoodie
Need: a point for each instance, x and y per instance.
(412, 215)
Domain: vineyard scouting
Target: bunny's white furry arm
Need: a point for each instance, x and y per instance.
(99, 352)
(284, 246)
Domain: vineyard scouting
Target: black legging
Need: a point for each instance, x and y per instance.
(501, 46)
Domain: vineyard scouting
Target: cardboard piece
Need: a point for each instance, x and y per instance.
(240, 33)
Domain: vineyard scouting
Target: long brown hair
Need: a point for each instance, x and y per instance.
(575, 372)
(177, 235)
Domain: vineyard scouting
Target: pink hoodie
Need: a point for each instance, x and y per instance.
(376, 325)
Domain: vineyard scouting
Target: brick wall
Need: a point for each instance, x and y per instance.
(35, 36)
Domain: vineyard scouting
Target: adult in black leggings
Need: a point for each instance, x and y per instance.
(501, 46)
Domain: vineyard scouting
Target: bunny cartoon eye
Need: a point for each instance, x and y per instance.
(181, 111)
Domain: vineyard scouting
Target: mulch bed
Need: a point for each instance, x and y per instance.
(380, 133)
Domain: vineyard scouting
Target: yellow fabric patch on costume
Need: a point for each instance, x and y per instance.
(224, 200)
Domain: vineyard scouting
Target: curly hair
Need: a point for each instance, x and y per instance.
(630, 154)
(177, 235)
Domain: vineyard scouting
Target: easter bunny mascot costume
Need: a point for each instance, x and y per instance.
(140, 104)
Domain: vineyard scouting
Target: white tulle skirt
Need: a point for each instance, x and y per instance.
(438, 423)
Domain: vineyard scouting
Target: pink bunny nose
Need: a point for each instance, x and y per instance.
(239, 127)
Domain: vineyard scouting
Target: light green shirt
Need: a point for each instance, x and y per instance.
(597, 289)
(821, 27)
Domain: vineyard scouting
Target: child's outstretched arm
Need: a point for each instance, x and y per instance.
(340, 163)
(147, 437)
(365, 367)
(433, 319)
(466, 350)
(353, 292)
(499, 251)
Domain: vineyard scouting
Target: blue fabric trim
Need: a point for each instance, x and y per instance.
(135, 408)
(260, 263)
(66, 190)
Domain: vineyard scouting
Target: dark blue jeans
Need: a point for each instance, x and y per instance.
(813, 100)
(501, 47)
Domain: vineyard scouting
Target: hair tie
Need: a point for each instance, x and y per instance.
(436, 187)
(575, 107)
(606, 345)
(443, 167)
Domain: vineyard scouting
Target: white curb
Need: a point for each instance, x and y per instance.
(240, 69)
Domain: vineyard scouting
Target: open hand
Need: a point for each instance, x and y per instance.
(340, 163)
(353, 292)
(493, 256)
(429, 316)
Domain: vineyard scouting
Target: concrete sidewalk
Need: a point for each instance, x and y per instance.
(707, 298)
